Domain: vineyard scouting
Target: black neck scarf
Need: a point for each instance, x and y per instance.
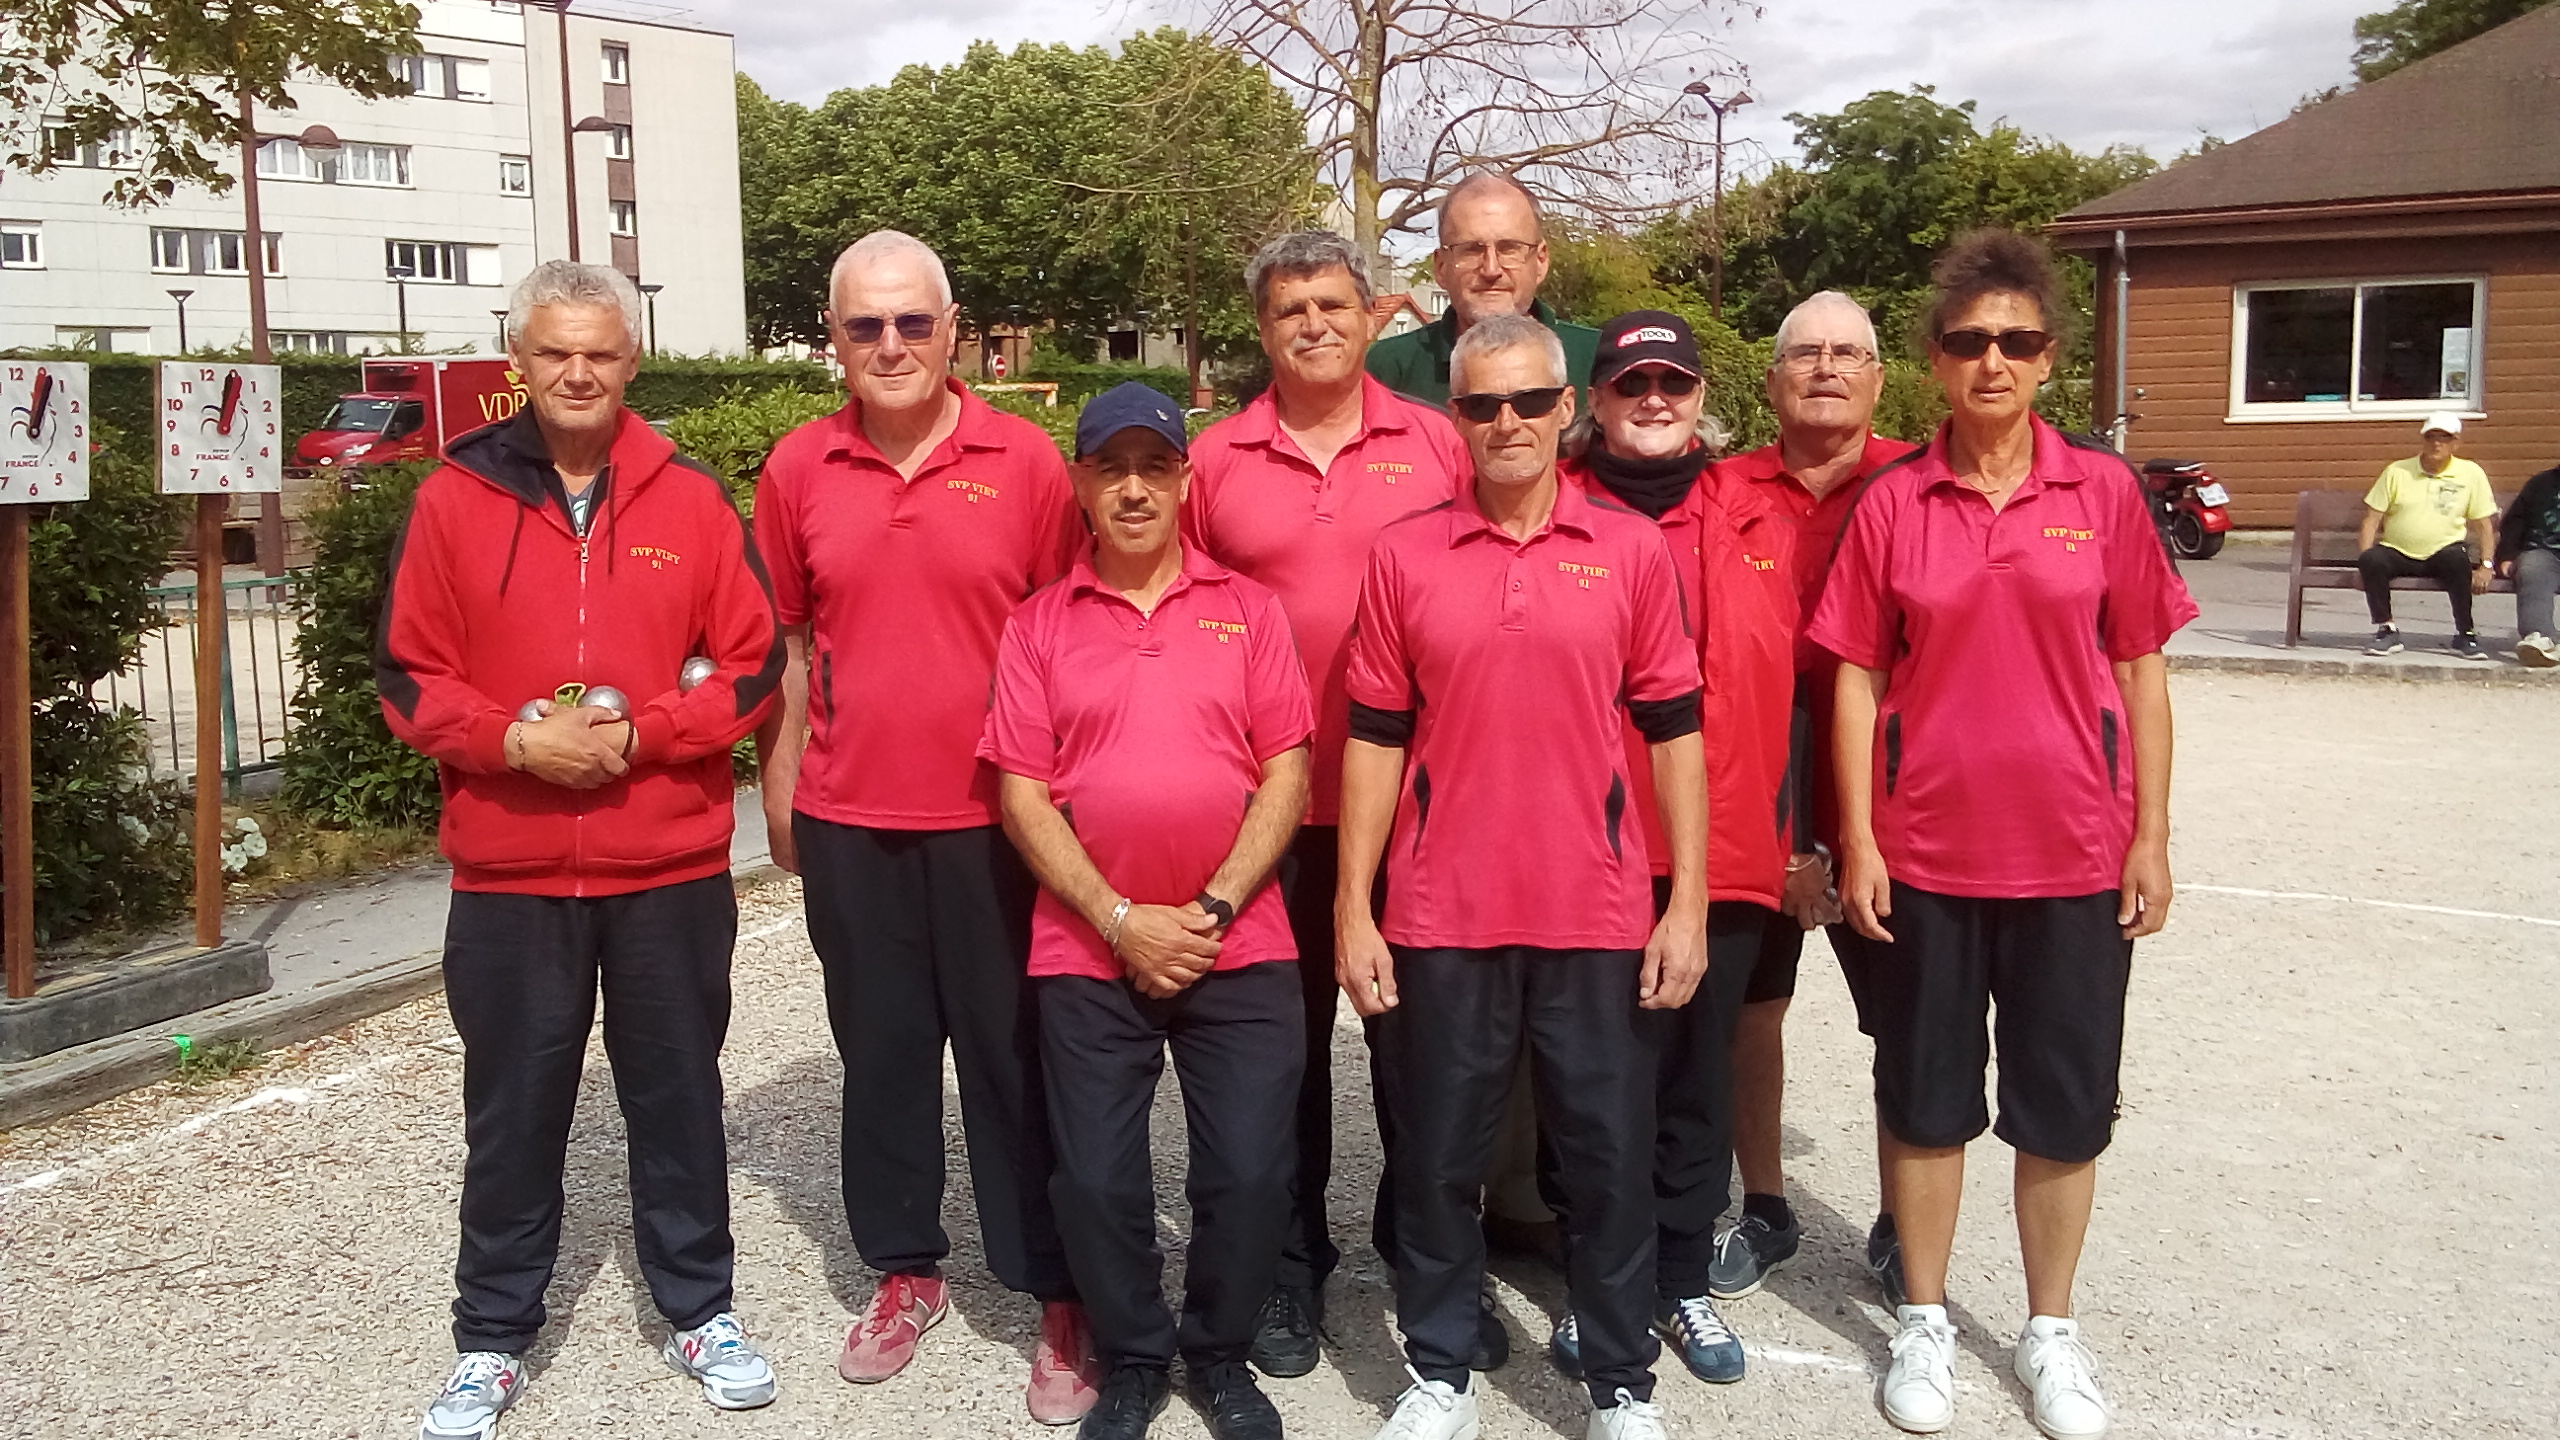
(1649, 487)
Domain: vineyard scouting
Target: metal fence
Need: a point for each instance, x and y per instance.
(261, 671)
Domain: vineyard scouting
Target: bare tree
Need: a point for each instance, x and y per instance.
(1581, 99)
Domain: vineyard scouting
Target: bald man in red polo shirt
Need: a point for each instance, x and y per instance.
(1291, 492)
(1504, 640)
(1151, 719)
(901, 532)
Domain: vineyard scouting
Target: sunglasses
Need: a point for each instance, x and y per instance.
(2016, 344)
(915, 327)
(1527, 404)
(1638, 383)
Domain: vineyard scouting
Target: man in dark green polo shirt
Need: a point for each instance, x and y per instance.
(1491, 259)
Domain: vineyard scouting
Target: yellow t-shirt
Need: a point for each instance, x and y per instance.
(2423, 513)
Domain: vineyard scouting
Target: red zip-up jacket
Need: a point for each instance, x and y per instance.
(1736, 562)
(496, 599)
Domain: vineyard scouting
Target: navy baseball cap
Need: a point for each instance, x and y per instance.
(1127, 406)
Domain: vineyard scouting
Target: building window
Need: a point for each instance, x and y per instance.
(2356, 348)
(626, 217)
(443, 77)
(112, 339)
(437, 262)
(617, 142)
(287, 160)
(515, 174)
(21, 245)
(617, 64)
(363, 164)
(119, 151)
(210, 252)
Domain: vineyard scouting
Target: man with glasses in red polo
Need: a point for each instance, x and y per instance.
(901, 532)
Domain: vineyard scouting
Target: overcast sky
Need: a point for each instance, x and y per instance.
(2090, 72)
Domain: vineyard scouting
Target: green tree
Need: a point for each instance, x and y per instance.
(2415, 29)
(166, 80)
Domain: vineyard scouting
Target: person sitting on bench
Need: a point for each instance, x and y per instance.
(2417, 511)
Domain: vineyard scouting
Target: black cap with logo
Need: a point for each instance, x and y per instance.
(1645, 337)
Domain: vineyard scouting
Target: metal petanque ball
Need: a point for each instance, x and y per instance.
(605, 697)
(696, 670)
(530, 712)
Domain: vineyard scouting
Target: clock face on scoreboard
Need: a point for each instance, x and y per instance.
(221, 428)
(44, 446)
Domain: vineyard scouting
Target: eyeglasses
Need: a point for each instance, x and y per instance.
(1845, 359)
(1637, 383)
(1527, 404)
(915, 327)
(1472, 252)
(2016, 344)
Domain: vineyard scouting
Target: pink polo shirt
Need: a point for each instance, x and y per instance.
(1151, 731)
(905, 585)
(2003, 763)
(1515, 825)
(1262, 508)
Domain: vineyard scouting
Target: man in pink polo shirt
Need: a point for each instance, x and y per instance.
(901, 532)
(1504, 640)
(1292, 492)
(1151, 720)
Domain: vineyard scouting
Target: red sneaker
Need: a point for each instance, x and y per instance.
(1065, 1378)
(882, 1342)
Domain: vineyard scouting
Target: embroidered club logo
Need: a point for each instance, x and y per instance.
(1225, 630)
(972, 491)
(1582, 574)
(659, 558)
(2069, 537)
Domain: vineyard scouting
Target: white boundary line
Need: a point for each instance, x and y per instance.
(2249, 894)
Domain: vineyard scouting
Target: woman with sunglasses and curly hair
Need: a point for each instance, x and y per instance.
(2002, 744)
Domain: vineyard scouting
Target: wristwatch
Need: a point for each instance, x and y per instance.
(1219, 910)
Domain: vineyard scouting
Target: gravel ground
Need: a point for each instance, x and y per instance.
(2325, 1215)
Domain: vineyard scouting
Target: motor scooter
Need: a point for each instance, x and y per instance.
(2192, 508)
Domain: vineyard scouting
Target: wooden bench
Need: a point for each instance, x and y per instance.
(2325, 523)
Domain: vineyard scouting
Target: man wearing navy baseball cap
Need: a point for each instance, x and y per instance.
(1151, 721)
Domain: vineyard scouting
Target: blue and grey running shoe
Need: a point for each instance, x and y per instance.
(718, 1353)
(1706, 1344)
(1564, 1347)
(484, 1384)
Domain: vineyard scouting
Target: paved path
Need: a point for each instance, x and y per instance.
(2326, 1214)
(2241, 592)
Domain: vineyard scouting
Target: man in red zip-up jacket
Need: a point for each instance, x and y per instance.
(573, 546)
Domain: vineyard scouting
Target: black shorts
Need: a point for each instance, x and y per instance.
(2057, 970)
(1773, 962)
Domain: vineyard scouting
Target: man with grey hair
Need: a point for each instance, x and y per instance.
(1291, 492)
(902, 531)
(1825, 378)
(1504, 639)
(1490, 260)
(580, 686)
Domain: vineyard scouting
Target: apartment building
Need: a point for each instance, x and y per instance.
(430, 209)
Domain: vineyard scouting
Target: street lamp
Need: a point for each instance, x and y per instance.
(1715, 221)
(501, 317)
(319, 140)
(592, 125)
(652, 292)
(400, 281)
(181, 297)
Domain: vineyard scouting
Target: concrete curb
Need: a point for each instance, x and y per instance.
(2470, 672)
(55, 1085)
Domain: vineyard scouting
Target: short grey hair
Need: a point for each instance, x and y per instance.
(884, 245)
(1486, 180)
(1827, 298)
(1506, 332)
(1300, 255)
(568, 282)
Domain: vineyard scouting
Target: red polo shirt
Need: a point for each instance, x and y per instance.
(1262, 507)
(905, 585)
(2003, 766)
(1818, 522)
(1152, 731)
(1519, 658)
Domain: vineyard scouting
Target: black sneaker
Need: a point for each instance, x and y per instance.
(2386, 641)
(1884, 1261)
(1286, 1337)
(1493, 1343)
(2467, 647)
(1748, 1253)
(1234, 1407)
(1132, 1398)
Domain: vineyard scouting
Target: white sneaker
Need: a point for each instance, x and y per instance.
(718, 1353)
(1431, 1410)
(1919, 1391)
(483, 1385)
(2539, 651)
(1629, 1419)
(2053, 1363)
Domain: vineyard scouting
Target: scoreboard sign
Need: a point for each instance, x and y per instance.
(44, 451)
(221, 428)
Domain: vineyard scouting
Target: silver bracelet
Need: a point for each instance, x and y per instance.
(1111, 927)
